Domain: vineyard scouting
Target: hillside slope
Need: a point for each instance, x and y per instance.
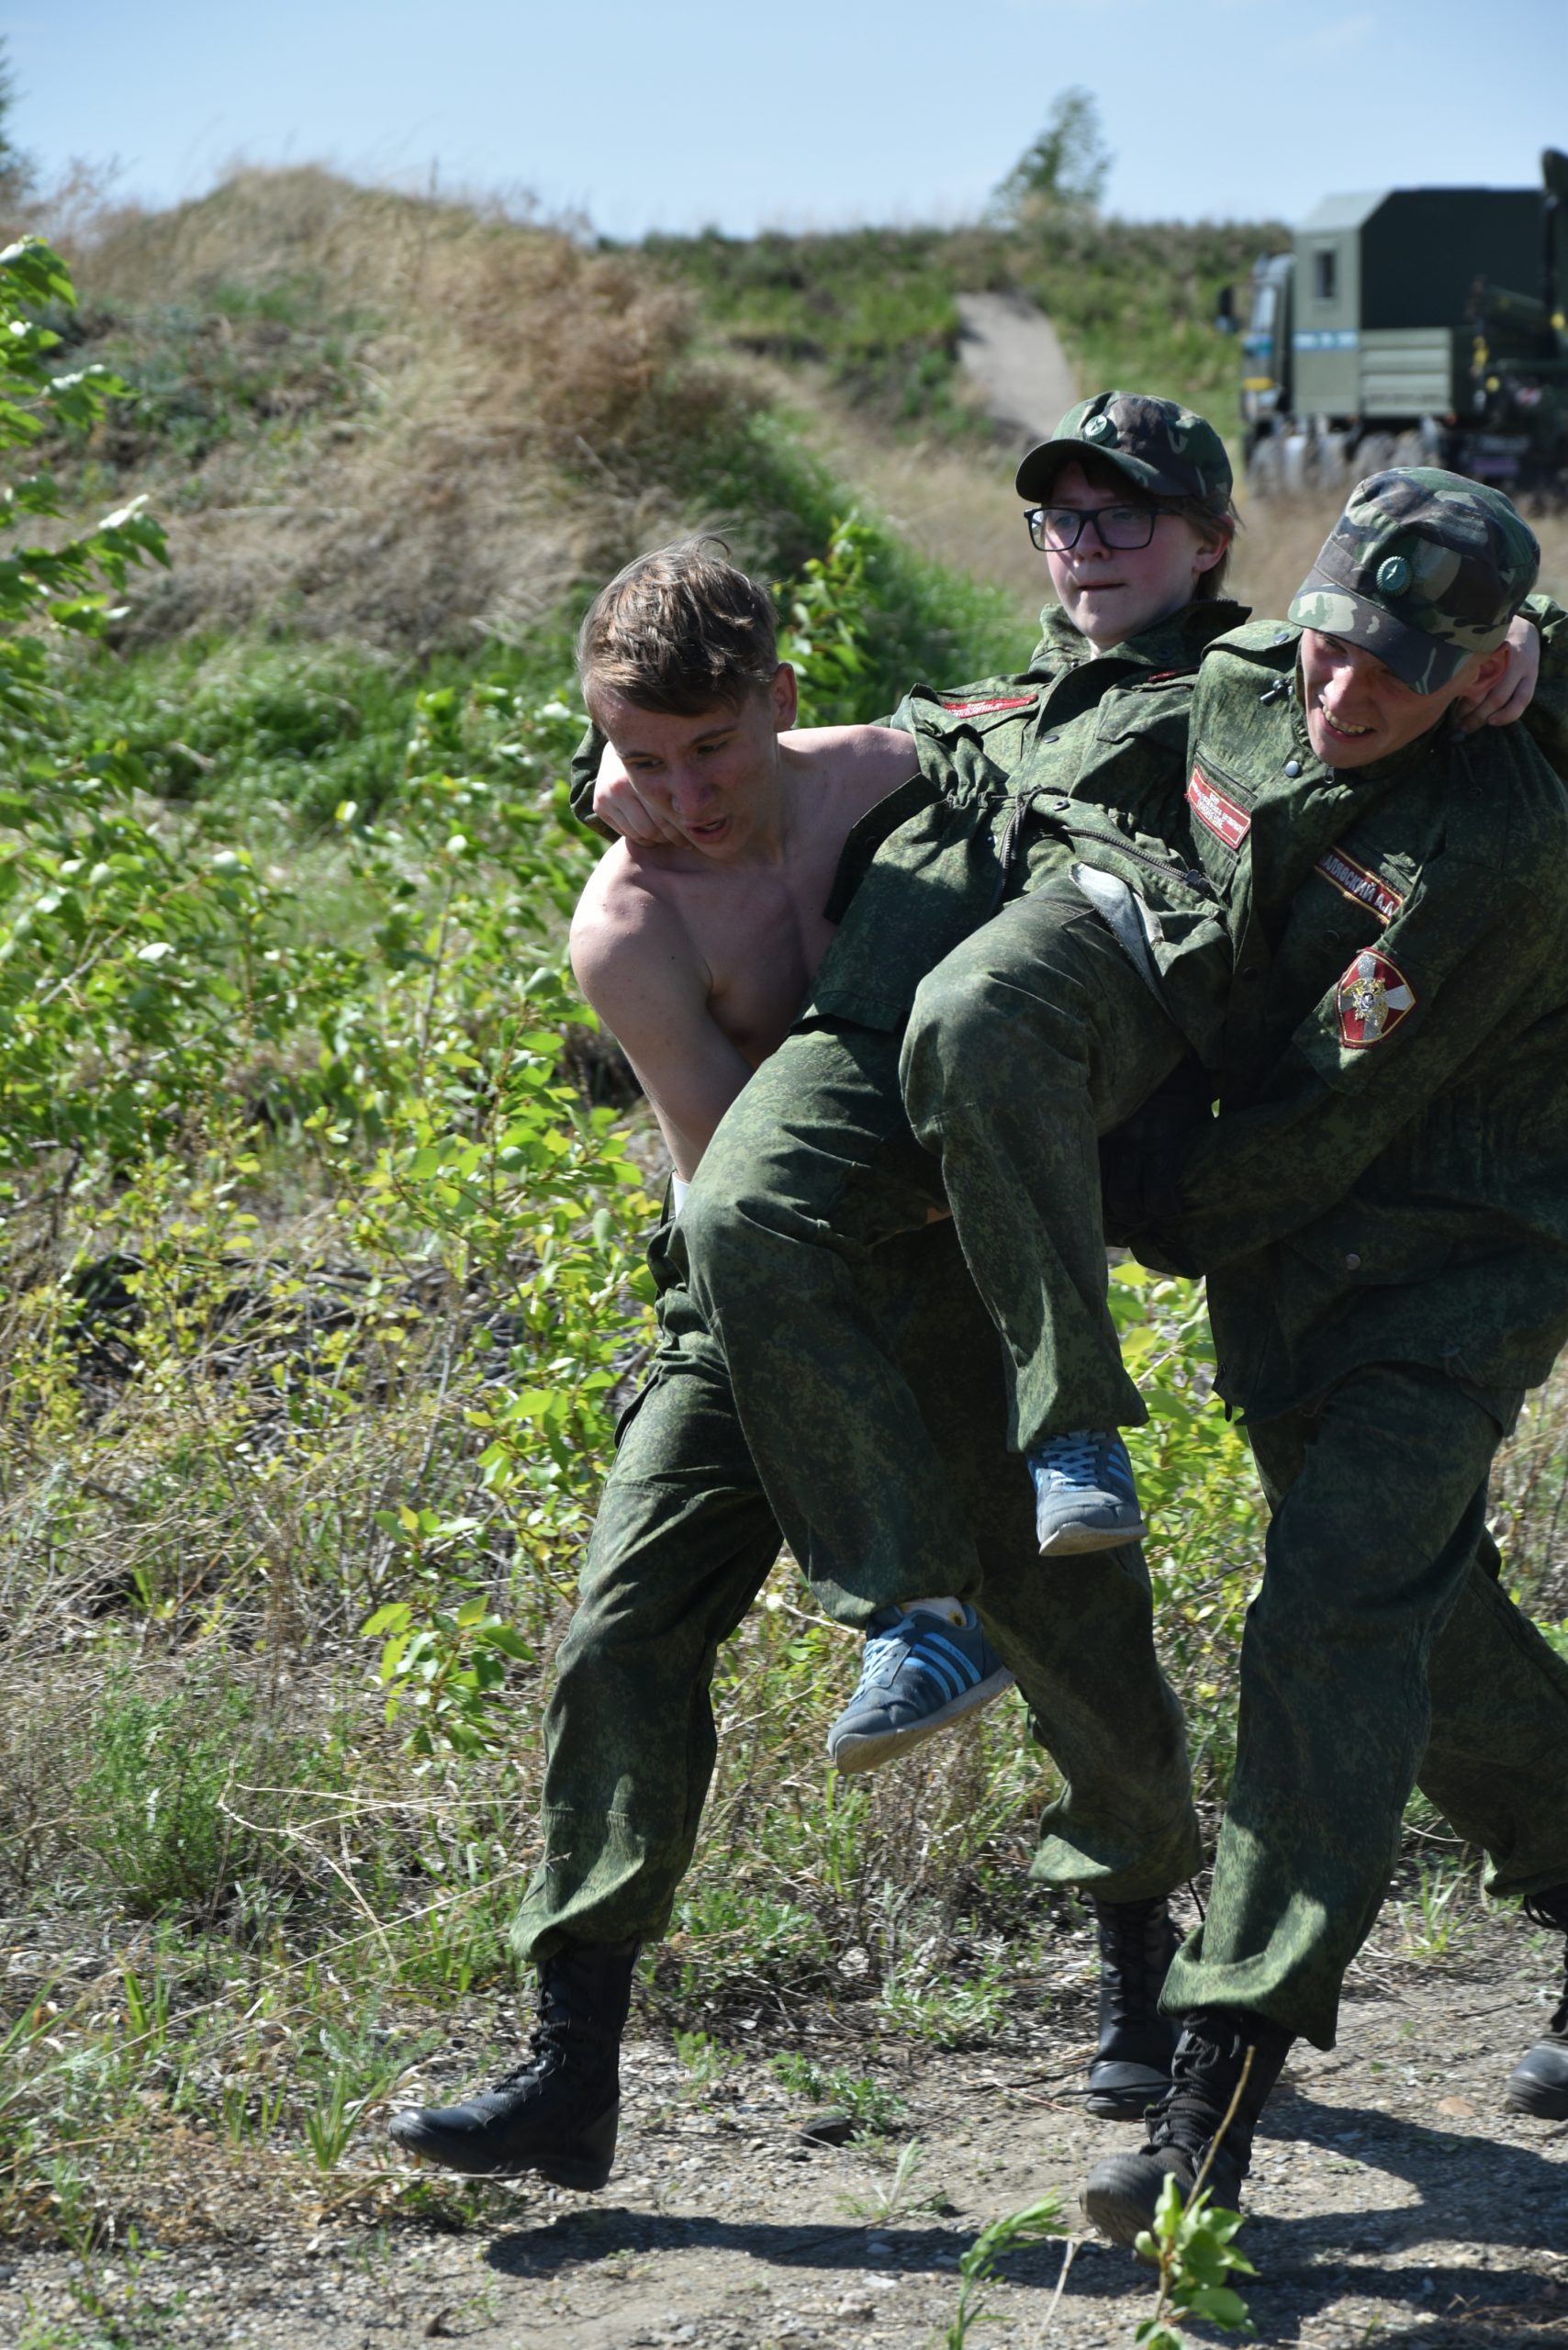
(369, 414)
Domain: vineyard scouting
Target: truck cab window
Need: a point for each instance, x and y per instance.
(1324, 274)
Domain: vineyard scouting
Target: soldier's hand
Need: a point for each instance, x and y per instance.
(1510, 694)
(616, 803)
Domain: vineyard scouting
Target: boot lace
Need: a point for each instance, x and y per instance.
(1134, 1949)
(1198, 2100)
(567, 2028)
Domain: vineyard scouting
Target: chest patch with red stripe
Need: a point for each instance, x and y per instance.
(1226, 821)
(1359, 884)
(994, 701)
(1373, 996)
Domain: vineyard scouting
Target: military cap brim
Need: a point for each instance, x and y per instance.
(1424, 662)
(1039, 467)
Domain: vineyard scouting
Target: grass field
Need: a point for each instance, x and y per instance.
(322, 1197)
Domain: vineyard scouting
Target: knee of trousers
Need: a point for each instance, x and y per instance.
(723, 1238)
(968, 1026)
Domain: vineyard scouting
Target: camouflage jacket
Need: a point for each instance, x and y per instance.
(1388, 1176)
(1078, 759)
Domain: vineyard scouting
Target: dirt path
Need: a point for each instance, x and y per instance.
(955, 505)
(1394, 2202)
(1011, 351)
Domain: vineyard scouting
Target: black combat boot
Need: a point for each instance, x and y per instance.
(1539, 2082)
(558, 2113)
(1122, 2192)
(1131, 2067)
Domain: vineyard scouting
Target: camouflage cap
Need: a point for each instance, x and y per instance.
(1163, 448)
(1423, 568)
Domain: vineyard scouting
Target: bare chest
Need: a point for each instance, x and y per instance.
(761, 935)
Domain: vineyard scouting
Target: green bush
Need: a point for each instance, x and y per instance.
(188, 1795)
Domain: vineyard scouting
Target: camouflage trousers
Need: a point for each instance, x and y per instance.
(1381, 1653)
(684, 1540)
(1029, 1041)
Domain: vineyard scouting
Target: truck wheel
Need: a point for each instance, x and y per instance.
(1264, 467)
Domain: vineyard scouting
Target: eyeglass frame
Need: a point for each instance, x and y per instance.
(1034, 521)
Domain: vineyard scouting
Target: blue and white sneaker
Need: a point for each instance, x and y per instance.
(1084, 1496)
(921, 1672)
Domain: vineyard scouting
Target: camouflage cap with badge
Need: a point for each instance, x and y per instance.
(1166, 449)
(1422, 568)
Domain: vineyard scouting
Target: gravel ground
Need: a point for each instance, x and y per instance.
(1393, 2201)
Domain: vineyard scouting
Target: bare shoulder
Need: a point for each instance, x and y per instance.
(857, 764)
(627, 918)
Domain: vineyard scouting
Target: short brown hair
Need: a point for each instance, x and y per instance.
(680, 630)
(1211, 518)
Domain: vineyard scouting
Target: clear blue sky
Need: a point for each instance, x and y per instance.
(675, 113)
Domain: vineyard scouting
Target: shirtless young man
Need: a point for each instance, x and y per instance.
(698, 947)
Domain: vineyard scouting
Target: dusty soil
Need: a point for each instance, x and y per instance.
(1393, 2201)
(1011, 353)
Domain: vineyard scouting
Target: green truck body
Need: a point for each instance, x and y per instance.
(1391, 331)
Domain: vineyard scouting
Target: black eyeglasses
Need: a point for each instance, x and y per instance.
(1057, 529)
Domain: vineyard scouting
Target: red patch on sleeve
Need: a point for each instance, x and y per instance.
(995, 701)
(1373, 997)
(1227, 823)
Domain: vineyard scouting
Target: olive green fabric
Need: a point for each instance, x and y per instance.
(1380, 1652)
(1387, 1181)
(816, 1167)
(816, 1163)
(1017, 784)
(1383, 1211)
(683, 1542)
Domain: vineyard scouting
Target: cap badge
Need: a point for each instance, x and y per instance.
(1393, 576)
(1099, 428)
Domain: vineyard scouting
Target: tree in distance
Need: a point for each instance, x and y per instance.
(1064, 170)
(18, 172)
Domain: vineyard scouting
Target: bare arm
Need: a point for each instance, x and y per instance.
(636, 964)
(1510, 694)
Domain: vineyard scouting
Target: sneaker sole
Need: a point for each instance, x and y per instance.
(1072, 1541)
(865, 1753)
(1116, 2199)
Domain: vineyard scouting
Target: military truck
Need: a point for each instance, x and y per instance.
(1391, 335)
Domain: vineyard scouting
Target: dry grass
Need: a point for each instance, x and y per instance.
(420, 419)
(1280, 536)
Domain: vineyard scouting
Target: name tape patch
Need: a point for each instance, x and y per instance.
(995, 702)
(1373, 996)
(1227, 823)
(1359, 884)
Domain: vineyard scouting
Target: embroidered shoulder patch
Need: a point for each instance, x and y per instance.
(994, 701)
(1373, 997)
(1227, 823)
(1359, 884)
